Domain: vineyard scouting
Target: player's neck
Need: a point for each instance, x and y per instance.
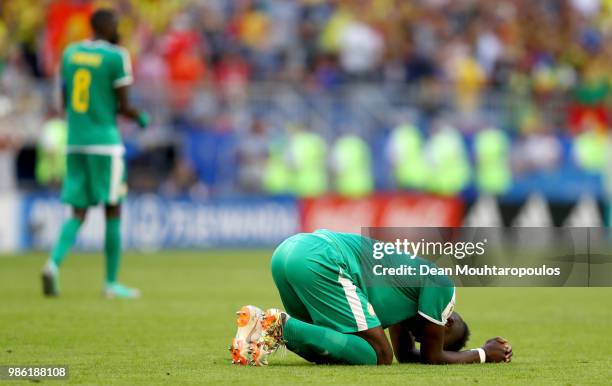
(100, 38)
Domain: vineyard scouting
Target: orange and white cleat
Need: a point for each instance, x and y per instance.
(245, 347)
(272, 326)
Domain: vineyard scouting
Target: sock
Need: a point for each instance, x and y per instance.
(112, 248)
(66, 240)
(324, 345)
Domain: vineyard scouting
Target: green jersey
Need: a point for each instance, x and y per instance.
(394, 298)
(325, 278)
(91, 71)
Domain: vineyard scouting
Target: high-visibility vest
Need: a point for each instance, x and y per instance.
(277, 177)
(51, 152)
(493, 172)
(352, 160)
(409, 167)
(448, 162)
(308, 152)
(590, 150)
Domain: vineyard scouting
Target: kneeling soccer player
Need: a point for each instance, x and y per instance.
(333, 317)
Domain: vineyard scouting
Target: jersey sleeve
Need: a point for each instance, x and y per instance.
(122, 69)
(436, 303)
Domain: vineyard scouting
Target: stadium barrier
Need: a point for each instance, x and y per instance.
(380, 210)
(32, 222)
(10, 225)
(535, 210)
(150, 223)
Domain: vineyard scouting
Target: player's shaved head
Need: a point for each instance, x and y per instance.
(457, 333)
(104, 25)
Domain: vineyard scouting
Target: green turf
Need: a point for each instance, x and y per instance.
(179, 331)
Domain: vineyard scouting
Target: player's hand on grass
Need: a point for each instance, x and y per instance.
(498, 350)
(507, 346)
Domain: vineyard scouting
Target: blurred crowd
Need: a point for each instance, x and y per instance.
(539, 71)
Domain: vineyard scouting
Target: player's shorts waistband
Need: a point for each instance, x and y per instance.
(111, 150)
(330, 241)
(324, 237)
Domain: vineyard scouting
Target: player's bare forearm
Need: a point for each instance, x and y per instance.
(444, 357)
(63, 96)
(125, 109)
(432, 349)
(403, 344)
(413, 356)
(129, 112)
(451, 357)
(405, 352)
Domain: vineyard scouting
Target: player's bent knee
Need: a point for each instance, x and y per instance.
(383, 355)
(112, 211)
(384, 358)
(79, 213)
(377, 339)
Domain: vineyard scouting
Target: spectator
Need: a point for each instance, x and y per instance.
(51, 152)
(448, 165)
(351, 163)
(537, 149)
(183, 182)
(405, 155)
(361, 49)
(493, 172)
(183, 59)
(252, 157)
(308, 158)
(477, 62)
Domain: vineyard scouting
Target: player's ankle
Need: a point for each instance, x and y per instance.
(283, 318)
(51, 266)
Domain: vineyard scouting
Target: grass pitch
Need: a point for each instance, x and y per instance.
(180, 330)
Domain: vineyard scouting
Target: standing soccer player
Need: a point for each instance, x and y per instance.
(95, 78)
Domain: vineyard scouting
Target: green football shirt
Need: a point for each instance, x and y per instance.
(394, 298)
(91, 71)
